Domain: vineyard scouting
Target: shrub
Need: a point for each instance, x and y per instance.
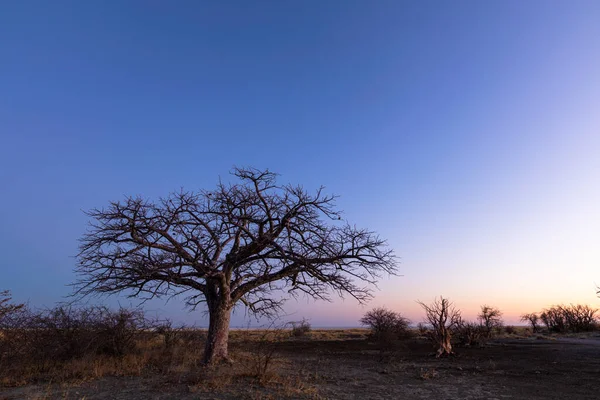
(580, 318)
(470, 333)
(491, 320)
(553, 319)
(51, 336)
(263, 355)
(169, 334)
(63, 332)
(300, 328)
(117, 330)
(423, 329)
(14, 337)
(7, 308)
(386, 324)
(572, 318)
(510, 330)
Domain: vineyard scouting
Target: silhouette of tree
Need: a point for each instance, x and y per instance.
(246, 243)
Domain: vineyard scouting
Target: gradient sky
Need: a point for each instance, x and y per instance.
(467, 133)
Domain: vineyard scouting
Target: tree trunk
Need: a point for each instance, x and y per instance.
(218, 334)
(445, 344)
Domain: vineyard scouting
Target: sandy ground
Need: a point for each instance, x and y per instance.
(525, 368)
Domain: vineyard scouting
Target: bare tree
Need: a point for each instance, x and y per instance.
(250, 242)
(490, 318)
(533, 320)
(385, 324)
(443, 318)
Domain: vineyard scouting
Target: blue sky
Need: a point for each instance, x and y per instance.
(467, 133)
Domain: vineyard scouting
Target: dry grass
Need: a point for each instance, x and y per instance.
(254, 352)
(274, 364)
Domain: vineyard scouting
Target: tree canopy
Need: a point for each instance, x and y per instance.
(246, 242)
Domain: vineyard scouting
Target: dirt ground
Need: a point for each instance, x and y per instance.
(353, 368)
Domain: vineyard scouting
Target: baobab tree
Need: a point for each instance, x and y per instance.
(250, 243)
(443, 318)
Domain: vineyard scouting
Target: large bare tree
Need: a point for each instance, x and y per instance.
(251, 242)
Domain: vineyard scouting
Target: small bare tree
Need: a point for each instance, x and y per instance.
(385, 324)
(241, 243)
(490, 318)
(533, 320)
(443, 317)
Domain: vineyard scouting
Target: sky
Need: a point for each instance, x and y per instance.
(466, 133)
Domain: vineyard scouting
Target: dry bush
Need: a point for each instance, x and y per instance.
(491, 320)
(63, 333)
(262, 353)
(580, 318)
(571, 318)
(66, 332)
(423, 329)
(7, 308)
(554, 320)
(300, 328)
(471, 334)
(65, 341)
(13, 337)
(191, 336)
(170, 335)
(65, 344)
(510, 330)
(386, 325)
(117, 330)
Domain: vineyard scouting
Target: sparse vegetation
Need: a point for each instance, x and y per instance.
(470, 333)
(169, 334)
(60, 349)
(262, 354)
(44, 341)
(571, 318)
(489, 321)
